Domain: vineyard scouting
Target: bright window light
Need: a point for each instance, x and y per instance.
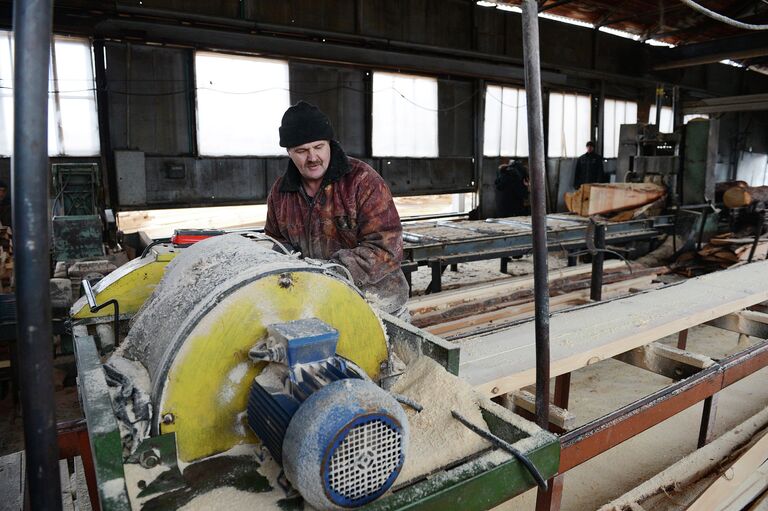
(619, 33)
(484, 3)
(733, 63)
(665, 122)
(569, 124)
(404, 115)
(73, 124)
(656, 42)
(240, 103)
(508, 7)
(690, 117)
(616, 113)
(563, 19)
(73, 128)
(506, 122)
(6, 94)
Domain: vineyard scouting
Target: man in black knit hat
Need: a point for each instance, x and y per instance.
(333, 207)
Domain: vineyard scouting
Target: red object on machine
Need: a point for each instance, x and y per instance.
(187, 237)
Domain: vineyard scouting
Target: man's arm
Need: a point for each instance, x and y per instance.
(578, 173)
(271, 227)
(380, 235)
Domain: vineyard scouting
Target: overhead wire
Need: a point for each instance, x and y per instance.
(724, 19)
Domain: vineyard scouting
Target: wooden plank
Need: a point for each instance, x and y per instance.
(498, 287)
(504, 361)
(521, 311)
(560, 417)
(726, 487)
(12, 479)
(81, 487)
(67, 503)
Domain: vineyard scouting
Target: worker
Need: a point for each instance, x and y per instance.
(589, 167)
(332, 207)
(512, 190)
(6, 213)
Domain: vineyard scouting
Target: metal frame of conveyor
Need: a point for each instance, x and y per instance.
(692, 385)
(439, 255)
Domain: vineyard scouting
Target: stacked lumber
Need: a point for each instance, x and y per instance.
(721, 252)
(460, 312)
(6, 260)
(602, 199)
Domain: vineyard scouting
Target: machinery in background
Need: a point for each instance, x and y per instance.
(646, 155)
(243, 353)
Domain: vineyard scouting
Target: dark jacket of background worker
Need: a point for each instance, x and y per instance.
(589, 168)
(512, 190)
(6, 213)
(329, 206)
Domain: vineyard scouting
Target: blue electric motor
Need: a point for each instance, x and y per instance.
(340, 438)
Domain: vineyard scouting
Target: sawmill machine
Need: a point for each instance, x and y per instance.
(255, 379)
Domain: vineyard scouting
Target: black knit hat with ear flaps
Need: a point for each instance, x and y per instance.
(304, 123)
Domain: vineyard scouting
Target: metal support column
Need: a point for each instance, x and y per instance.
(538, 205)
(32, 20)
(598, 257)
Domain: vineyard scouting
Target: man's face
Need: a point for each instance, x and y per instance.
(311, 159)
(590, 148)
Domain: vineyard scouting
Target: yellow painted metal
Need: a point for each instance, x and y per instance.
(206, 390)
(130, 285)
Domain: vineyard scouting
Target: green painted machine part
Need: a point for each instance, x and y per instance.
(77, 237)
(479, 483)
(695, 163)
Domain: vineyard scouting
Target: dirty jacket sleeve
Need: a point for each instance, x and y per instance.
(379, 240)
(271, 227)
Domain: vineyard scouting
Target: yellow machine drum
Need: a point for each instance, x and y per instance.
(213, 304)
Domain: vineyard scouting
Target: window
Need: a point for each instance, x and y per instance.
(665, 122)
(404, 115)
(240, 103)
(690, 117)
(73, 128)
(616, 113)
(569, 124)
(6, 94)
(506, 122)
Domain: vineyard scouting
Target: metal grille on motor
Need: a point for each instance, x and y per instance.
(364, 462)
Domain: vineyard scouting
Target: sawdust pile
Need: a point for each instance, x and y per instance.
(437, 439)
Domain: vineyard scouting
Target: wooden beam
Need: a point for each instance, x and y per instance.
(749, 469)
(743, 322)
(560, 417)
(666, 360)
(503, 361)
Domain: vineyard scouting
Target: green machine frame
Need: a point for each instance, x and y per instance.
(479, 483)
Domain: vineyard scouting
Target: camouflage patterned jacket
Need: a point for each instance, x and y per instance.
(352, 220)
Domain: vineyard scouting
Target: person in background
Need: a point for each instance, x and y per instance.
(589, 168)
(512, 184)
(6, 213)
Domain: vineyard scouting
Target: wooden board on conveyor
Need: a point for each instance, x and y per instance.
(504, 360)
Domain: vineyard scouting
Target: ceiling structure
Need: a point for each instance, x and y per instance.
(671, 21)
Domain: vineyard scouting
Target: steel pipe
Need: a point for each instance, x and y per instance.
(32, 21)
(532, 68)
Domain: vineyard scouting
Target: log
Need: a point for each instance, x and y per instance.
(724, 186)
(598, 199)
(739, 197)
